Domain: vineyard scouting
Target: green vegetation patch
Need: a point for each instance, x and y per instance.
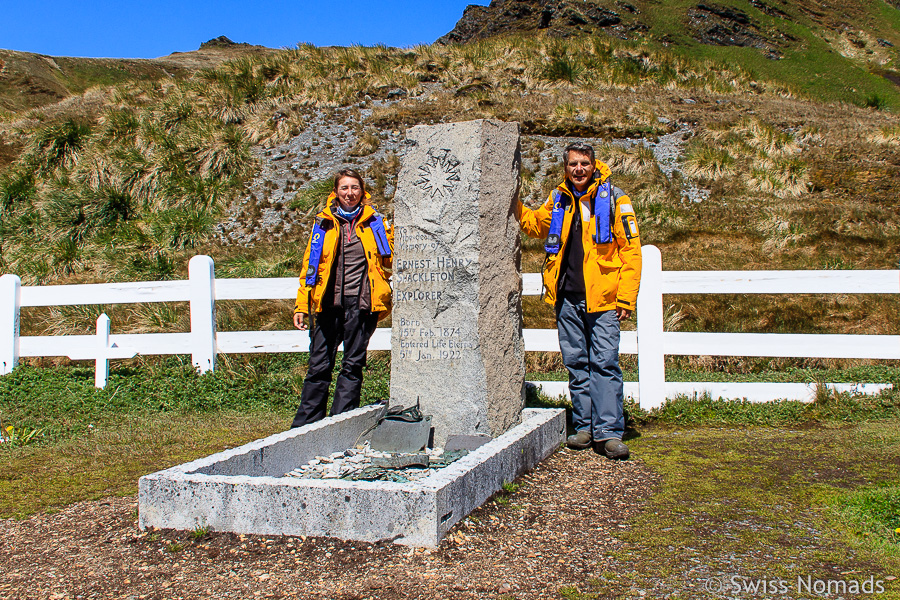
(807, 57)
(876, 513)
(153, 414)
(109, 458)
(79, 74)
(63, 403)
(829, 407)
(757, 503)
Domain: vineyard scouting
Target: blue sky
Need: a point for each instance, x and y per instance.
(130, 29)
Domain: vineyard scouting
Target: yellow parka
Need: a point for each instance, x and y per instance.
(377, 265)
(612, 272)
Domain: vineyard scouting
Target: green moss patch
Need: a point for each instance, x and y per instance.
(757, 504)
(876, 514)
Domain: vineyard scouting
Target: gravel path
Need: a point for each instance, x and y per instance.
(546, 536)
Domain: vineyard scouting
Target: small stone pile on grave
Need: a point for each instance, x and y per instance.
(364, 464)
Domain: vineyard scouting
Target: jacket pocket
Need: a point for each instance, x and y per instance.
(381, 292)
(602, 282)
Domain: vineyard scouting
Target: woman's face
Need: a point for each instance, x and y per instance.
(349, 192)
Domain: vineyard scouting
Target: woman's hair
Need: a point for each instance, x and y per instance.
(350, 173)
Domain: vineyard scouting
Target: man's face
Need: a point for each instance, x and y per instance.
(579, 170)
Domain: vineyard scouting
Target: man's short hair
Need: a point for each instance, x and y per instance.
(580, 148)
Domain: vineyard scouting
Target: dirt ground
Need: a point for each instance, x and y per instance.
(549, 534)
(690, 509)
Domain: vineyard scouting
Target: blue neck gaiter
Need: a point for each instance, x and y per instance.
(348, 215)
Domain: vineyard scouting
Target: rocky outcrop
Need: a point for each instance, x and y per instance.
(709, 23)
(560, 17)
(221, 42)
(728, 26)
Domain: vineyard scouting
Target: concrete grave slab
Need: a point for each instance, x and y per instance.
(244, 489)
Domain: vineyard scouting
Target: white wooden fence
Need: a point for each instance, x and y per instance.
(650, 342)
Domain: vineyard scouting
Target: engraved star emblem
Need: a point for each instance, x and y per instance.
(440, 173)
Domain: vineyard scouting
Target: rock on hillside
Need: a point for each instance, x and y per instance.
(221, 42)
(764, 25)
(707, 22)
(562, 17)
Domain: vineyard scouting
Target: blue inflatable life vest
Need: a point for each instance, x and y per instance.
(604, 211)
(552, 244)
(317, 241)
(381, 241)
(315, 251)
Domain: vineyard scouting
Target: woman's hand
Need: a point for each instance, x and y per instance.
(300, 321)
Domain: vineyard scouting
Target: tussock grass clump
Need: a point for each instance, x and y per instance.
(781, 226)
(888, 134)
(560, 66)
(708, 162)
(311, 198)
(59, 144)
(161, 317)
(763, 157)
(264, 263)
(366, 144)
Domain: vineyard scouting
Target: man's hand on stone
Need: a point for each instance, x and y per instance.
(622, 313)
(299, 321)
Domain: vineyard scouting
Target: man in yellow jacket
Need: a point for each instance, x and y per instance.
(591, 277)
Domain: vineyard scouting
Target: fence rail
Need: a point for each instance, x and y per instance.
(650, 342)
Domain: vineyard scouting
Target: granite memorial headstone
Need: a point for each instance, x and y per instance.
(457, 334)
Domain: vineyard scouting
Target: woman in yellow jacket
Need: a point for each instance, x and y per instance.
(346, 290)
(591, 277)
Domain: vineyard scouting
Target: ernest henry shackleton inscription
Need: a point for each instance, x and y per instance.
(457, 338)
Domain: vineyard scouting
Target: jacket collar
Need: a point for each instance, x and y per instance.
(367, 210)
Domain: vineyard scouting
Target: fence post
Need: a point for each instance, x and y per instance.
(651, 353)
(101, 365)
(10, 301)
(203, 313)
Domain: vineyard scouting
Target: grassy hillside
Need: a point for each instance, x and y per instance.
(818, 50)
(836, 52)
(29, 80)
(127, 182)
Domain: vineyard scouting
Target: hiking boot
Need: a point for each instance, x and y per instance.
(613, 449)
(579, 441)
